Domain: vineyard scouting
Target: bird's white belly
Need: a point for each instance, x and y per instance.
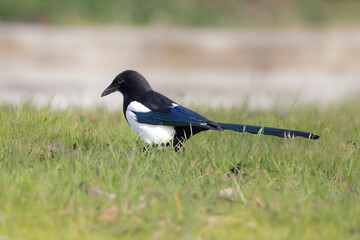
(150, 134)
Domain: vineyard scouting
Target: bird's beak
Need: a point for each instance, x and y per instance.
(108, 90)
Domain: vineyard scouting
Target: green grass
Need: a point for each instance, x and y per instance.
(292, 189)
(210, 13)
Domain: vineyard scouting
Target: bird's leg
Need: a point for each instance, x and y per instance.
(145, 149)
(236, 169)
(177, 144)
(179, 148)
(155, 146)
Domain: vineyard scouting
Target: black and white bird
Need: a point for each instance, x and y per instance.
(161, 121)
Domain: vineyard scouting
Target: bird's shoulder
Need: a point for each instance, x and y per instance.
(156, 109)
(156, 102)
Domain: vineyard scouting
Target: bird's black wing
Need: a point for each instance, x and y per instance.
(166, 112)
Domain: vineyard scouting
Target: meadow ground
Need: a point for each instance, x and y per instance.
(82, 174)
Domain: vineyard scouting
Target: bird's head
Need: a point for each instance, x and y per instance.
(128, 82)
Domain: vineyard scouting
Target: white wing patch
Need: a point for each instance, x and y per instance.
(150, 134)
(137, 107)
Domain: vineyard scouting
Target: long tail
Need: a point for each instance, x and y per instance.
(278, 132)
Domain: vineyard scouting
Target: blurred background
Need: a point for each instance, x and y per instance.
(264, 53)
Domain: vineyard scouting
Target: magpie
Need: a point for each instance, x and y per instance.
(161, 121)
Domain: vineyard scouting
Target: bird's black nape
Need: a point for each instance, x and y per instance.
(128, 82)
